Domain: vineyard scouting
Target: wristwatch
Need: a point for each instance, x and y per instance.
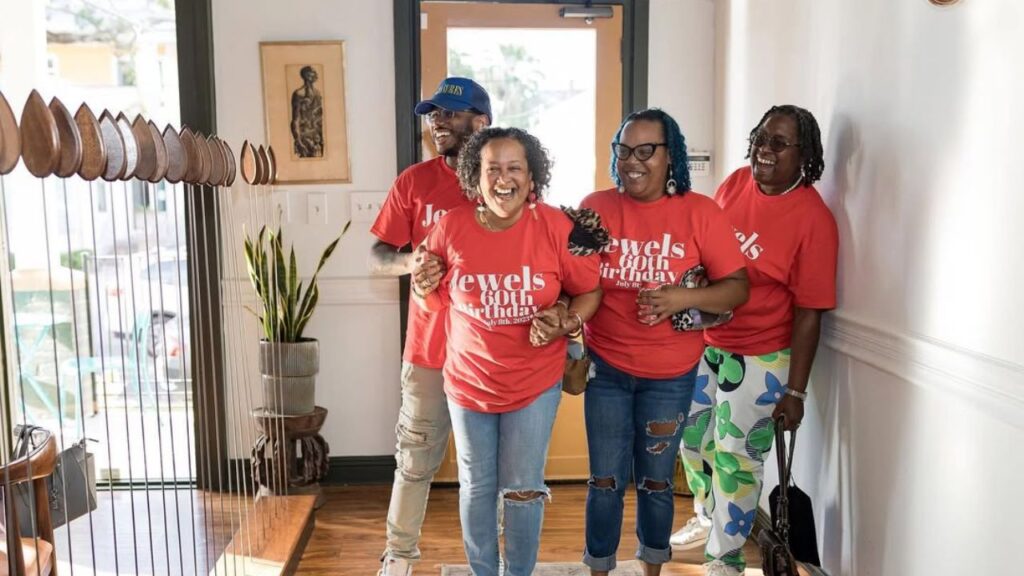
(796, 394)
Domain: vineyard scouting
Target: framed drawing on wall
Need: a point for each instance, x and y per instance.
(304, 109)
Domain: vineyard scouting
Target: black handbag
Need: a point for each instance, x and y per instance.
(803, 539)
(71, 487)
(776, 557)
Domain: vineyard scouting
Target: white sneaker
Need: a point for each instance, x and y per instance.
(719, 568)
(693, 535)
(395, 567)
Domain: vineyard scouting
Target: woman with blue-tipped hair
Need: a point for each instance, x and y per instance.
(644, 353)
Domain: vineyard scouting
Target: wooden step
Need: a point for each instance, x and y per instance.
(271, 538)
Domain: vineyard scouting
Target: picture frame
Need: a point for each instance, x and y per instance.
(304, 110)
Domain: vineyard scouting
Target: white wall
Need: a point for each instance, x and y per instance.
(357, 321)
(910, 445)
(681, 74)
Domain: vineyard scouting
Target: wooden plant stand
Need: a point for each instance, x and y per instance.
(296, 465)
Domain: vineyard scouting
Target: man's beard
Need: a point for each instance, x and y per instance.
(460, 135)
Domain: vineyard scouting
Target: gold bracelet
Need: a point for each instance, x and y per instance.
(579, 327)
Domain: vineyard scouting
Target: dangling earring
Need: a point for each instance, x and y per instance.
(533, 204)
(480, 200)
(621, 188)
(670, 186)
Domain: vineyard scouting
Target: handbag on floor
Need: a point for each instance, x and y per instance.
(577, 367)
(71, 487)
(776, 557)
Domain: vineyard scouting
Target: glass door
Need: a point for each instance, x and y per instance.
(560, 79)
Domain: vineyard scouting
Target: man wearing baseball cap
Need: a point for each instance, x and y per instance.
(418, 198)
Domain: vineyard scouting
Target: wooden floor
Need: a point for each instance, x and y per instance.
(349, 533)
(165, 532)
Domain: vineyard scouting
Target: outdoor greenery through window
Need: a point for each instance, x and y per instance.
(542, 81)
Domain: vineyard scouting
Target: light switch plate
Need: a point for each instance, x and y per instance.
(366, 205)
(316, 208)
(280, 203)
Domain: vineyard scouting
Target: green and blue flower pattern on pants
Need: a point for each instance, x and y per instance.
(727, 435)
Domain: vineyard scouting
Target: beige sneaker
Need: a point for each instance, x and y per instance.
(395, 567)
(719, 568)
(693, 535)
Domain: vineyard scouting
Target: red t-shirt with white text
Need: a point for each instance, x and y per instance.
(494, 284)
(654, 242)
(791, 244)
(419, 197)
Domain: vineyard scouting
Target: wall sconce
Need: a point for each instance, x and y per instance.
(944, 2)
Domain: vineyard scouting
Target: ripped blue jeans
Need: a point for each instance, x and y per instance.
(634, 426)
(501, 465)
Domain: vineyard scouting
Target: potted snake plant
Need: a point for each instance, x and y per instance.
(289, 362)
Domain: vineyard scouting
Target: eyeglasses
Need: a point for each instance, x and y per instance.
(442, 114)
(775, 143)
(641, 151)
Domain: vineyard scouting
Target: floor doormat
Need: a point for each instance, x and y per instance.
(631, 568)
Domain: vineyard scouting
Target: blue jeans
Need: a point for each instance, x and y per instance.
(634, 426)
(501, 455)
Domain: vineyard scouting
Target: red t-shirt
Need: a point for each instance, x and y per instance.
(791, 244)
(494, 284)
(656, 241)
(419, 197)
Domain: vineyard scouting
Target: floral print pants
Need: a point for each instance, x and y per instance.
(727, 435)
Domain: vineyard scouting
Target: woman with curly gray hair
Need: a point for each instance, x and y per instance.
(499, 270)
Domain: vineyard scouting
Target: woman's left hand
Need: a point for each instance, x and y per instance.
(661, 303)
(548, 325)
(793, 409)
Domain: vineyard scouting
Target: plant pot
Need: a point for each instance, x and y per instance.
(289, 372)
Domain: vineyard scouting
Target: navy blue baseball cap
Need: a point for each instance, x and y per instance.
(458, 95)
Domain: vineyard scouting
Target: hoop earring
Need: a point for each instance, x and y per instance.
(532, 198)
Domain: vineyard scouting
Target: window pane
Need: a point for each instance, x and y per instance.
(543, 81)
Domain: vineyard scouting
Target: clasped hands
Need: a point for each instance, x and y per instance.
(553, 323)
(427, 271)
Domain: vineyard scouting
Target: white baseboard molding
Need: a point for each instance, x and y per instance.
(993, 384)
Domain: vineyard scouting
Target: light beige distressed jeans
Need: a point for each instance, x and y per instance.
(422, 432)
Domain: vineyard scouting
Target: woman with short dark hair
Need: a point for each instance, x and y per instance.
(499, 270)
